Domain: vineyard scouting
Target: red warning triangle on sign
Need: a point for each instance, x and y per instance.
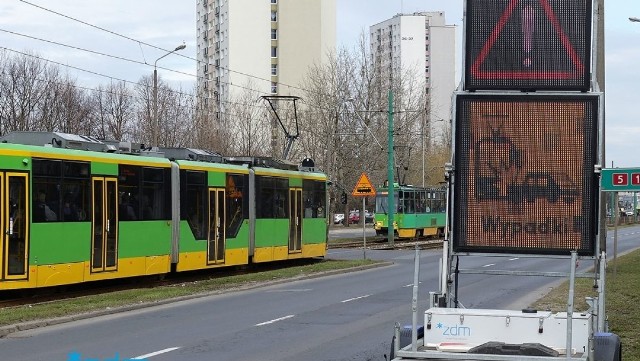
(528, 42)
(363, 187)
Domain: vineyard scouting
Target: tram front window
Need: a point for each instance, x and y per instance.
(382, 204)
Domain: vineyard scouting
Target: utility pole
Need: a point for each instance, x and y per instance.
(390, 188)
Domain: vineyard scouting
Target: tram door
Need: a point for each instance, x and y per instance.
(295, 220)
(216, 236)
(14, 221)
(104, 245)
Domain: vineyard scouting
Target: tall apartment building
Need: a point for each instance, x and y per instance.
(260, 44)
(420, 43)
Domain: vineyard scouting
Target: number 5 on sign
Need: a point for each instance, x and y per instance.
(620, 179)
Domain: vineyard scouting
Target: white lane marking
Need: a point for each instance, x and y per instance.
(489, 265)
(411, 284)
(142, 357)
(274, 320)
(343, 251)
(291, 290)
(513, 259)
(355, 298)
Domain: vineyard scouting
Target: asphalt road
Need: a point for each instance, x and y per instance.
(341, 317)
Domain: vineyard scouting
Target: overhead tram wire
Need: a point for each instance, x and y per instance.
(94, 52)
(164, 68)
(102, 29)
(106, 91)
(110, 77)
(178, 54)
(119, 58)
(154, 46)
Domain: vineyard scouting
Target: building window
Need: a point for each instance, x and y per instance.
(274, 87)
(274, 34)
(274, 16)
(274, 1)
(274, 69)
(274, 51)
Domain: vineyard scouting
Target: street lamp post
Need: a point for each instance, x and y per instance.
(156, 123)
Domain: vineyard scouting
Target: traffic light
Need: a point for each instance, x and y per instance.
(343, 198)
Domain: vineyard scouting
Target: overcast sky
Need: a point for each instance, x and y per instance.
(169, 23)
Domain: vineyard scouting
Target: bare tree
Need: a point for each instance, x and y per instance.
(145, 122)
(114, 111)
(208, 128)
(69, 110)
(24, 85)
(250, 126)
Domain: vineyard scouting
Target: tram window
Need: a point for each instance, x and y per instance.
(313, 195)
(281, 198)
(264, 199)
(194, 177)
(272, 197)
(143, 193)
(61, 191)
(46, 167)
(76, 169)
(153, 175)
(420, 202)
(194, 203)
(381, 203)
(236, 203)
(409, 202)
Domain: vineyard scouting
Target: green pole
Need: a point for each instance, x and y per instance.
(391, 195)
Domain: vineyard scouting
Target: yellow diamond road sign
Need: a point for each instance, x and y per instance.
(364, 187)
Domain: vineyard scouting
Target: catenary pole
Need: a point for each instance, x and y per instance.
(391, 195)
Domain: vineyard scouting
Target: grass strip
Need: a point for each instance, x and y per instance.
(622, 292)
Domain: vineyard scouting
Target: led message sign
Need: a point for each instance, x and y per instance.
(528, 44)
(524, 174)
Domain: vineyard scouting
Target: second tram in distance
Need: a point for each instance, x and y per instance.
(419, 211)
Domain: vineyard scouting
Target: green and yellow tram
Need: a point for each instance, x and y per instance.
(79, 210)
(419, 211)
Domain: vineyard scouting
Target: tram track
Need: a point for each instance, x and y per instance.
(380, 243)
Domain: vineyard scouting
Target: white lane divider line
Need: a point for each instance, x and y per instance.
(291, 290)
(142, 357)
(513, 259)
(489, 265)
(355, 298)
(274, 320)
(411, 284)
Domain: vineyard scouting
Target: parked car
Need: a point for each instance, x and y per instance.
(626, 212)
(354, 217)
(338, 218)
